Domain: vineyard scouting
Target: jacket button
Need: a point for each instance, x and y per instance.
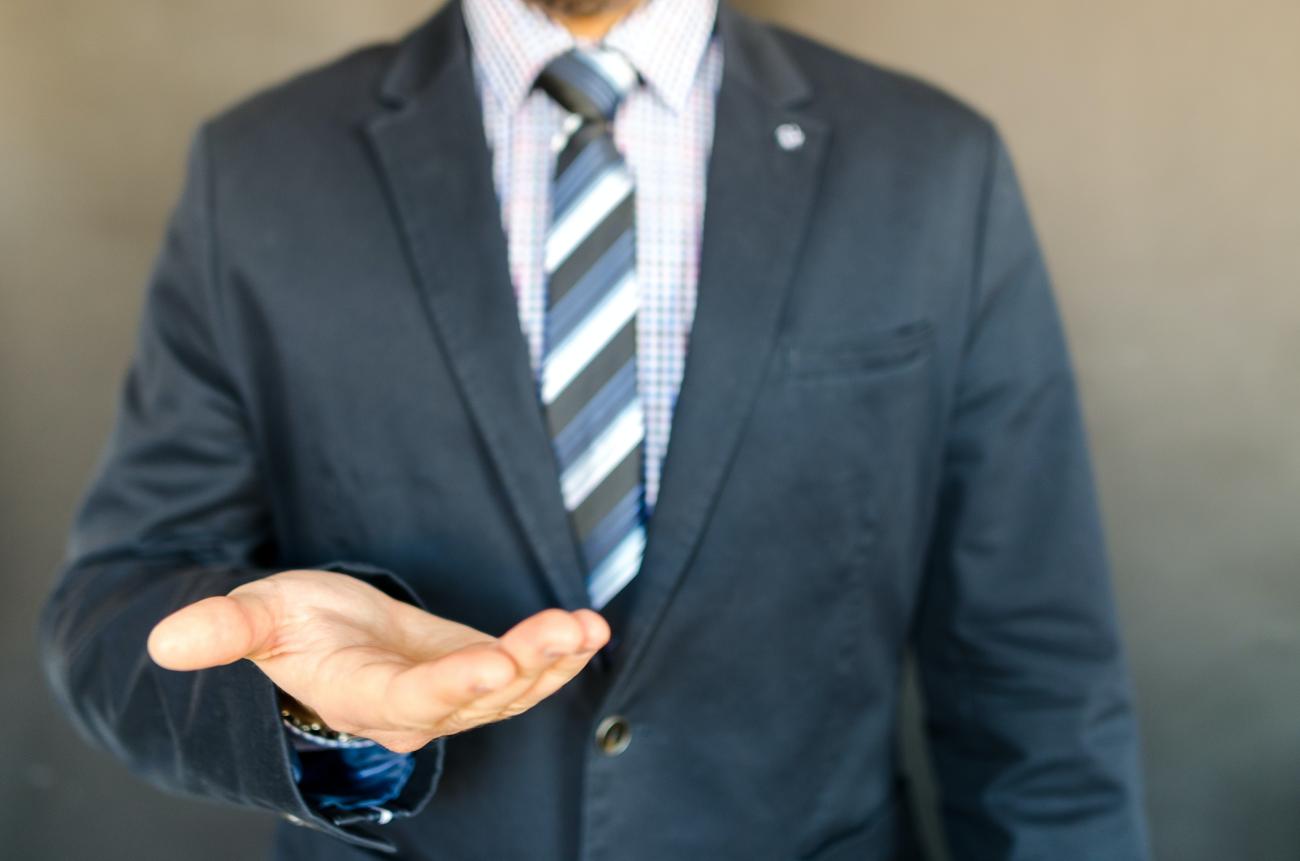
(790, 136)
(613, 735)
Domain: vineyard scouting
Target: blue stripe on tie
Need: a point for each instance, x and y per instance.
(594, 160)
(592, 82)
(618, 568)
(594, 285)
(613, 527)
(596, 415)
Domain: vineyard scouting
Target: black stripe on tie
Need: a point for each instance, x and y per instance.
(621, 480)
(580, 86)
(572, 179)
(582, 388)
(590, 132)
(579, 262)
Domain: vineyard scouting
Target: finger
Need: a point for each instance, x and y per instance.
(214, 632)
(536, 642)
(425, 694)
(596, 634)
(537, 645)
(553, 679)
(595, 629)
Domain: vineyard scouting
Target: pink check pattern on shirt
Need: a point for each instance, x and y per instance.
(664, 131)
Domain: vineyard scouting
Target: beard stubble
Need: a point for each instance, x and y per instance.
(583, 7)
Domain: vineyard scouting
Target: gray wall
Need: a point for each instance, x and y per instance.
(1159, 142)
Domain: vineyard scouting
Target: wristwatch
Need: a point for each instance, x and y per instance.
(304, 722)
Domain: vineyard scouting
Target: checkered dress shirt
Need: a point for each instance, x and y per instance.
(664, 131)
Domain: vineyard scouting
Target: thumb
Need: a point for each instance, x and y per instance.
(215, 631)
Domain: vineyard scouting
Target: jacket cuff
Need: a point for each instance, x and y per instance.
(353, 825)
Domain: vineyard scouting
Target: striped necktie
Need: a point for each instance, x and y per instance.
(588, 373)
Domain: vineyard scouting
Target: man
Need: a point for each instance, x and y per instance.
(397, 433)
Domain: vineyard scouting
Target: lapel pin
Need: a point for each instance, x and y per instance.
(790, 136)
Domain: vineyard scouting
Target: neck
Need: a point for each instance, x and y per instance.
(593, 26)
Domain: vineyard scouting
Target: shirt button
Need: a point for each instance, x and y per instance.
(613, 735)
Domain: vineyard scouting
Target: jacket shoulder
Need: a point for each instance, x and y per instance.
(858, 91)
(330, 96)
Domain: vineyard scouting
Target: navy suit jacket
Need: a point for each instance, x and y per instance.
(878, 445)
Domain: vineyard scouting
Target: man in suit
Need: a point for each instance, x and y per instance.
(389, 537)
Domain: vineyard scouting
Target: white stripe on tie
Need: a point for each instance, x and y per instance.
(617, 569)
(614, 67)
(582, 217)
(600, 458)
(584, 343)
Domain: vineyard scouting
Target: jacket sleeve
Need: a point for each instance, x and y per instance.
(176, 513)
(1029, 714)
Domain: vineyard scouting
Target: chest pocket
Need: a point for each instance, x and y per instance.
(845, 357)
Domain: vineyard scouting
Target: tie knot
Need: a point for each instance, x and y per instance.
(589, 81)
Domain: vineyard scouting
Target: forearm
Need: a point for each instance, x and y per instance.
(93, 632)
(1030, 715)
(214, 734)
(177, 512)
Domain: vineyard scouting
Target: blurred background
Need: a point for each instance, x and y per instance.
(1159, 144)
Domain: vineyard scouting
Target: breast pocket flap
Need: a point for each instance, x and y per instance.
(805, 358)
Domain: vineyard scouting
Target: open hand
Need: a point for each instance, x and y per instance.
(376, 667)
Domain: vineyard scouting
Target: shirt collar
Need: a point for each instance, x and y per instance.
(513, 40)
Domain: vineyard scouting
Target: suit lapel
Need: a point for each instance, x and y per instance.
(759, 198)
(435, 160)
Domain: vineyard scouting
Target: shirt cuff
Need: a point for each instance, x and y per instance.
(353, 775)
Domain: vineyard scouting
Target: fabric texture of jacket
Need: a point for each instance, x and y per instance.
(878, 446)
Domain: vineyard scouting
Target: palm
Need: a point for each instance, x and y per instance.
(374, 666)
